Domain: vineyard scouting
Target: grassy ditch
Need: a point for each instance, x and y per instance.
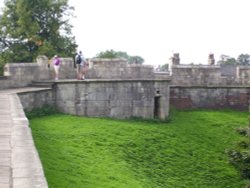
(187, 152)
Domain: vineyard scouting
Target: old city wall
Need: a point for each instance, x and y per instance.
(113, 80)
(118, 69)
(23, 74)
(210, 97)
(114, 98)
(112, 88)
(210, 86)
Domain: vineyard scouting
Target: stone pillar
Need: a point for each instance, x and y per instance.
(211, 59)
(176, 59)
(42, 60)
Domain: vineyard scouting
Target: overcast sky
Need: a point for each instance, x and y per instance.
(154, 29)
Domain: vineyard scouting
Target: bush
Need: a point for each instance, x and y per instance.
(40, 112)
(240, 157)
(1, 67)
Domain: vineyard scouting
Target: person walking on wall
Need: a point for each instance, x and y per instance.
(56, 62)
(80, 66)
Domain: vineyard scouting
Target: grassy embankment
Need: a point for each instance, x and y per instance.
(188, 152)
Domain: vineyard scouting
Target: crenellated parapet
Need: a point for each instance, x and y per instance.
(210, 86)
(118, 69)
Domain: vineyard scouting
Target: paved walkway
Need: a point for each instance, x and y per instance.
(20, 166)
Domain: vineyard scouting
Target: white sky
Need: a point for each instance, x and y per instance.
(154, 29)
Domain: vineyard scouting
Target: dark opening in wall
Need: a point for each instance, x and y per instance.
(157, 107)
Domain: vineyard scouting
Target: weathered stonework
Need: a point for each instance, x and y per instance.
(118, 69)
(24, 74)
(37, 99)
(210, 86)
(210, 97)
(112, 89)
(113, 98)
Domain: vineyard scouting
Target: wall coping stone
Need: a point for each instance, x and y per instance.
(107, 80)
(31, 64)
(210, 86)
(24, 90)
(108, 60)
(196, 66)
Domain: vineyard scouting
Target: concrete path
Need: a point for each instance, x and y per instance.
(20, 165)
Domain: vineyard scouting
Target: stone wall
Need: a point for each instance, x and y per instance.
(37, 99)
(112, 89)
(118, 69)
(197, 75)
(207, 75)
(233, 97)
(4, 82)
(114, 98)
(23, 74)
(243, 74)
(210, 86)
(103, 98)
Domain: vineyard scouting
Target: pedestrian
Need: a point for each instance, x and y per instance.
(80, 66)
(56, 62)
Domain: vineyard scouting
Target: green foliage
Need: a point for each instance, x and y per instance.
(240, 156)
(107, 54)
(243, 59)
(113, 54)
(225, 59)
(1, 67)
(188, 152)
(37, 27)
(40, 112)
(162, 68)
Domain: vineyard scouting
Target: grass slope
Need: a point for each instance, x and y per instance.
(188, 152)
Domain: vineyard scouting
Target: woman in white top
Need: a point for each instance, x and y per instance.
(56, 63)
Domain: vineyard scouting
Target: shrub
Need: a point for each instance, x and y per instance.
(42, 111)
(1, 67)
(240, 157)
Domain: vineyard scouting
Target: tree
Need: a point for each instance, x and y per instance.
(136, 60)
(243, 59)
(225, 59)
(113, 54)
(107, 54)
(35, 27)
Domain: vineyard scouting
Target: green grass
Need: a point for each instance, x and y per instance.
(188, 152)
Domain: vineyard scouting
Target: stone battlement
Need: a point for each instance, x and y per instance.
(210, 86)
(23, 74)
(218, 75)
(112, 88)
